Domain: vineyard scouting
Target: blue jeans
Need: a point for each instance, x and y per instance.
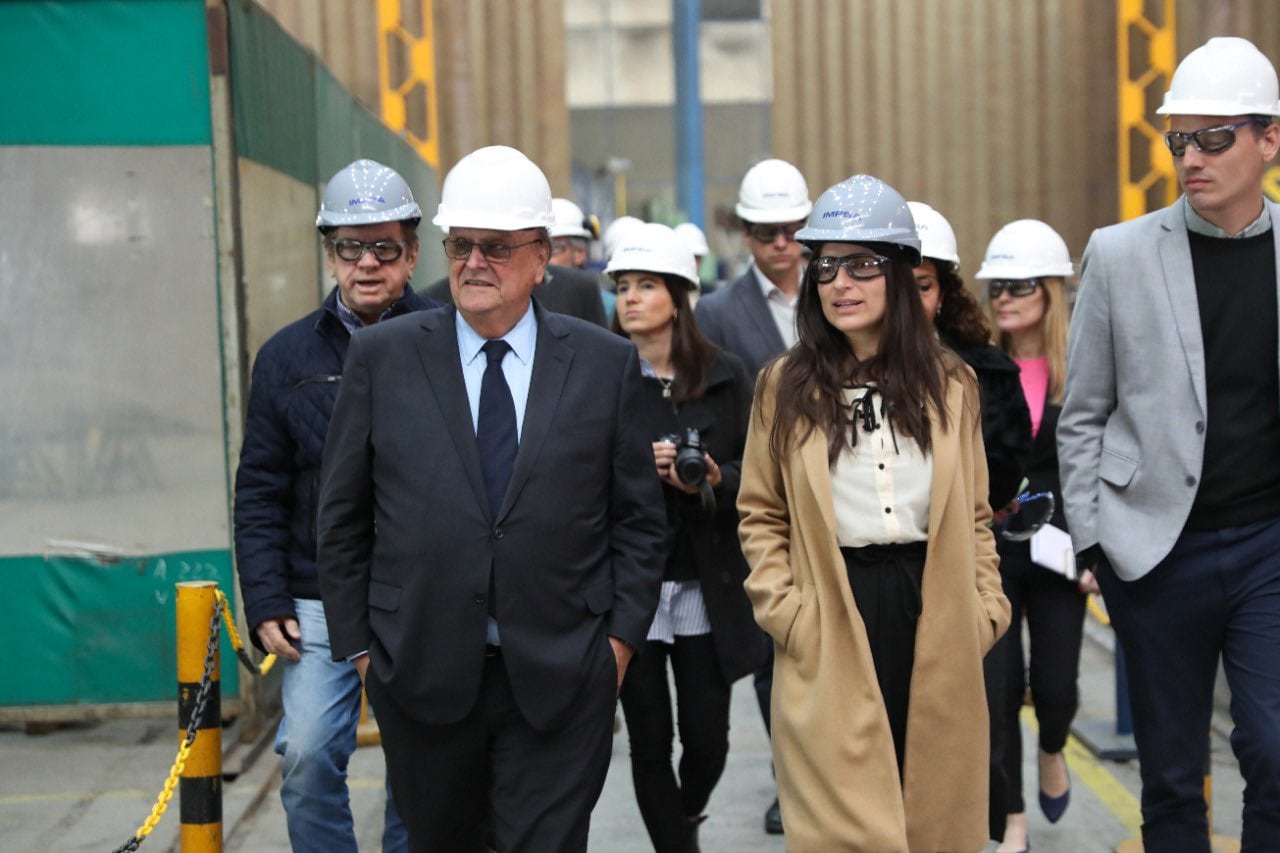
(315, 742)
(1217, 593)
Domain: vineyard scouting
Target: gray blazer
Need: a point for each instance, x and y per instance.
(737, 318)
(1131, 434)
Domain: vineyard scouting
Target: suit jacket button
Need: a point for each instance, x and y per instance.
(497, 533)
(479, 600)
(1191, 481)
(1200, 427)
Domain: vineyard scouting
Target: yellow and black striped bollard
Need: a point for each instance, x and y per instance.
(200, 787)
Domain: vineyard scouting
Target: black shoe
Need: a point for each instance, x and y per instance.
(773, 819)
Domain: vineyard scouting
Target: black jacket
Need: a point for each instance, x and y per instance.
(711, 542)
(1006, 421)
(291, 396)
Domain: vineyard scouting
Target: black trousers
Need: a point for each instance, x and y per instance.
(993, 676)
(1054, 609)
(1217, 594)
(533, 790)
(885, 580)
(702, 703)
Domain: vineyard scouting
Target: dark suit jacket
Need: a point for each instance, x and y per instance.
(566, 290)
(406, 543)
(737, 318)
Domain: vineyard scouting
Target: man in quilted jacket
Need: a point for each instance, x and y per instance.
(368, 226)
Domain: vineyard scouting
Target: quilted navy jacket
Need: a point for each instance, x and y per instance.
(291, 396)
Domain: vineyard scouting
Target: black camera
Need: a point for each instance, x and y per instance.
(689, 464)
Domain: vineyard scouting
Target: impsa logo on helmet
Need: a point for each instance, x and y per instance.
(851, 215)
(369, 199)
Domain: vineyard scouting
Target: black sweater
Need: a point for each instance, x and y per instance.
(1236, 292)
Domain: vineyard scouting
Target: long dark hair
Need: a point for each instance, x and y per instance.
(910, 368)
(960, 317)
(691, 353)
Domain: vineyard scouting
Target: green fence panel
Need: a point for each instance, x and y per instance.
(90, 632)
(93, 72)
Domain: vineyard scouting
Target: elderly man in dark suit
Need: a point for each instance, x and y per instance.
(490, 533)
(754, 317)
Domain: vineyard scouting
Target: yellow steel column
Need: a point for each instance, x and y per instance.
(407, 77)
(200, 788)
(1143, 161)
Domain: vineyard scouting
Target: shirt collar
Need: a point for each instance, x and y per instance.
(768, 288)
(522, 338)
(1202, 226)
(352, 322)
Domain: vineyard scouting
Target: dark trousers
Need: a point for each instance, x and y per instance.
(1217, 593)
(885, 581)
(535, 790)
(702, 703)
(993, 677)
(762, 680)
(1054, 609)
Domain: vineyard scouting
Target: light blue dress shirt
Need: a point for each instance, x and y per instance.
(517, 367)
(518, 370)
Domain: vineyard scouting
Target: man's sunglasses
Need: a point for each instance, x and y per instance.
(1210, 140)
(459, 249)
(861, 266)
(1013, 286)
(385, 251)
(763, 233)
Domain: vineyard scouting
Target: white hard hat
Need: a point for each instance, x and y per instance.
(1027, 248)
(773, 191)
(569, 219)
(365, 193)
(862, 209)
(613, 234)
(495, 187)
(1225, 76)
(652, 247)
(937, 239)
(693, 237)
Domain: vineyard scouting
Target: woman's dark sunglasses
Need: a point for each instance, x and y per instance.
(1210, 140)
(860, 266)
(384, 250)
(1014, 286)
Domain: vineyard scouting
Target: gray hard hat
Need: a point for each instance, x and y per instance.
(862, 209)
(365, 193)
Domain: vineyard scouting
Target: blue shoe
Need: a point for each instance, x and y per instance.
(1054, 807)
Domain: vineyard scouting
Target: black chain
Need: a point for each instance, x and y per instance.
(202, 699)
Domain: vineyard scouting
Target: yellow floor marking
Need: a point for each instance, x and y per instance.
(24, 799)
(1096, 778)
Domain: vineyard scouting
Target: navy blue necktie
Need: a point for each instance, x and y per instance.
(496, 436)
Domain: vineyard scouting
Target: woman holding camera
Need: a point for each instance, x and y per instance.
(696, 408)
(865, 523)
(1025, 270)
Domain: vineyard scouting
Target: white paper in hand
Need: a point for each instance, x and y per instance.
(1051, 548)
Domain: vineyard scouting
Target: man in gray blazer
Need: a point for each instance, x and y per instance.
(1169, 446)
(754, 317)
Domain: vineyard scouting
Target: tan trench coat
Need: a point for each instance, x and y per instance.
(837, 773)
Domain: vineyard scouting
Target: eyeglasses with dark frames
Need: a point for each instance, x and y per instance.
(385, 251)
(862, 266)
(1210, 140)
(765, 233)
(459, 249)
(1012, 286)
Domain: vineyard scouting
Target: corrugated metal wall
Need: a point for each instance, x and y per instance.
(501, 80)
(500, 69)
(989, 110)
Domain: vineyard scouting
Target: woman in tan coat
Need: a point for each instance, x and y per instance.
(865, 523)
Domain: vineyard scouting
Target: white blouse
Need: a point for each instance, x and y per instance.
(881, 493)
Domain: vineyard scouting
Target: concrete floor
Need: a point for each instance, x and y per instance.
(88, 787)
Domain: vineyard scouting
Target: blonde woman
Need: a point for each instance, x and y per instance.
(1025, 269)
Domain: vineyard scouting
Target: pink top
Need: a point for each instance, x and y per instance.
(1035, 387)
